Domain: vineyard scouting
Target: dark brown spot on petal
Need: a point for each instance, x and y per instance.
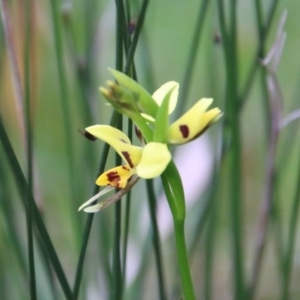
(123, 141)
(184, 130)
(87, 135)
(114, 178)
(125, 168)
(128, 159)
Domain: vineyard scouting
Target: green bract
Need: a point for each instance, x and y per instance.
(143, 99)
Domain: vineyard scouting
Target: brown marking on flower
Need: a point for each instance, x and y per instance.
(184, 129)
(87, 135)
(125, 168)
(128, 159)
(113, 177)
(123, 141)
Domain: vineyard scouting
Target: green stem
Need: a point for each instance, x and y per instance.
(25, 193)
(292, 230)
(8, 218)
(29, 149)
(89, 221)
(58, 43)
(186, 83)
(209, 255)
(236, 209)
(135, 39)
(183, 263)
(172, 185)
(174, 192)
(255, 65)
(127, 215)
(117, 270)
(126, 233)
(117, 290)
(156, 239)
(232, 116)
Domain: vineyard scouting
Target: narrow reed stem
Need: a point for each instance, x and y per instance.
(209, 255)
(156, 240)
(67, 120)
(25, 193)
(127, 215)
(268, 196)
(117, 280)
(90, 217)
(292, 231)
(261, 44)
(232, 116)
(190, 64)
(29, 145)
(117, 284)
(139, 25)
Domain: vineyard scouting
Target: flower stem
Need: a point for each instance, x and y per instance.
(183, 263)
(174, 192)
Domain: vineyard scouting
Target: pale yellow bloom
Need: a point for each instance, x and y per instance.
(193, 123)
(146, 162)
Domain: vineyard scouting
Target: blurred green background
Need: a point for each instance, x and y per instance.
(71, 45)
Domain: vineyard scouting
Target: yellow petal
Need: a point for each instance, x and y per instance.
(116, 177)
(119, 141)
(160, 94)
(155, 158)
(194, 122)
(104, 132)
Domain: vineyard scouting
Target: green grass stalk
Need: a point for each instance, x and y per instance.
(90, 217)
(264, 31)
(209, 255)
(29, 146)
(117, 280)
(138, 28)
(25, 193)
(189, 67)
(127, 216)
(156, 240)
(8, 218)
(117, 274)
(292, 229)
(232, 117)
(67, 127)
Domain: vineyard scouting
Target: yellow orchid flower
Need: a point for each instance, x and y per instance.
(159, 95)
(193, 123)
(131, 99)
(145, 162)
